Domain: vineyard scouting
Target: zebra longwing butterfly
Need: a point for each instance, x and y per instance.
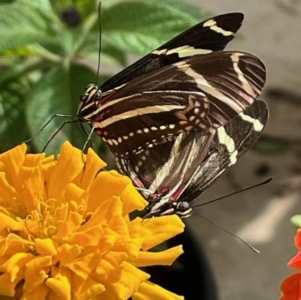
(179, 110)
(193, 162)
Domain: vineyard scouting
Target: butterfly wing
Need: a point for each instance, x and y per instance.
(200, 92)
(210, 35)
(195, 160)
(228, 145)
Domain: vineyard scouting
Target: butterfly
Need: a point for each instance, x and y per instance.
(180, 116)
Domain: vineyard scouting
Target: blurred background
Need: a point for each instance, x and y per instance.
(49, 52)
(260, 216)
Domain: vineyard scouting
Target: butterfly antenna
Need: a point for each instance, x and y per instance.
(99, 42)
(228, 232)
(236, 192)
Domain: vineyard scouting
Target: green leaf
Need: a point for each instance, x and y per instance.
(296, 221)
(184, 7)
(57, 92)
(44, 6)
(145, 25)
(86, 7)
(271, 145)
(34, 50)
(109, 53)
(21, 25)
(13, 129)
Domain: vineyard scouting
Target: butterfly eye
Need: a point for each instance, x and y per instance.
(183, 206)
(98, 95)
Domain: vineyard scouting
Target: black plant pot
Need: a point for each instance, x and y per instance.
(190, 275)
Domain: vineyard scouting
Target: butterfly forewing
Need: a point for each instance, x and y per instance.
(210, 35)
(200, 92)
(124, 97)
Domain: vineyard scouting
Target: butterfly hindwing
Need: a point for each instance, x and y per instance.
(201, 159)
(229, 144)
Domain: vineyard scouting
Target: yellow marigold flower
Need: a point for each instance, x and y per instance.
(65, 232)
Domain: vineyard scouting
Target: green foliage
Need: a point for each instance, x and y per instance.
(46, 61)
(296, 221)
(271, 145)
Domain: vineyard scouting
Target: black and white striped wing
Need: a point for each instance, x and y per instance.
(192, 163)
(200, 92)
(229, 144)
(210, 35)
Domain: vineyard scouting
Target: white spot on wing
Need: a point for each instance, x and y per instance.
(183, 51)
(212, 24)
(257, 125)
(226, 140)
(153, 109)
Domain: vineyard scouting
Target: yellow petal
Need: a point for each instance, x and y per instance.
(105, 186)
(8, 193)
(74, 193)
(9, 223)
(68, 253)
(159, 229)
(73, 223)
(45, 246)
(33, 160)
(84, 266)
(151, 291)
(38, 263)
(70, 164)
(7, 287)
(89, 237)
(109, 263)
(12, 161)
(32, 190)
(93, 165)
(125, 282)
(15, 263)
(38, 293)
(60, 284)
(34, 281)
(162, 258)
(132, 200)
(86, 288)
(103, 211)
(13, 243)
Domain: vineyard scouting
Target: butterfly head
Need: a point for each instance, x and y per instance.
(89, 100)
(92, 94)
(161, 204)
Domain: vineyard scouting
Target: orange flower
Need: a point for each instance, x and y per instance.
(65, 232)
(291, 285)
